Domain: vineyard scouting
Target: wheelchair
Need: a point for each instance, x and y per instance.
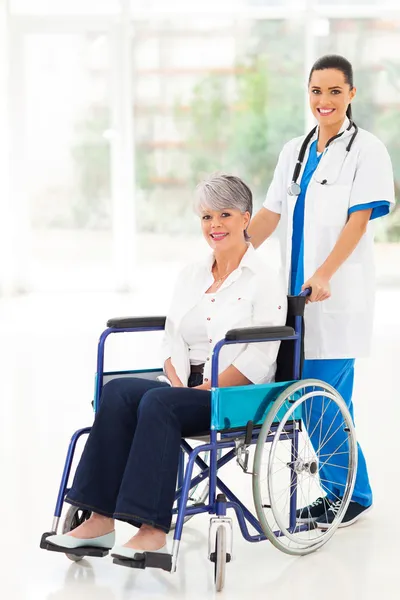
(285, 422)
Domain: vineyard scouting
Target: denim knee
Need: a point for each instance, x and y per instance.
(119, 393)
(110, 393)
(153, 402)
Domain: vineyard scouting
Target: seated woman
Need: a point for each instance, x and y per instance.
(128, 469)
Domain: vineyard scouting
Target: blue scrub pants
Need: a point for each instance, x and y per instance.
(340, 375)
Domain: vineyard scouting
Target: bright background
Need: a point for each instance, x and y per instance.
(115, 109)
(110, 112)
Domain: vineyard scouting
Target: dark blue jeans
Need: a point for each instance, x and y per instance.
(129, 465)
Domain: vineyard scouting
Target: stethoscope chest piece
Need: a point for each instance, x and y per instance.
(294, 189)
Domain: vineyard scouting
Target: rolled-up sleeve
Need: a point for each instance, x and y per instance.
(166, 343)
(257, 361)
(373, 186)
(170, 328)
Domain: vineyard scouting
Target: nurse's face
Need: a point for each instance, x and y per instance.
(329, 96)
(224, 229)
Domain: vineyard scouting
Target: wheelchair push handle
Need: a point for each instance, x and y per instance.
(305, 293)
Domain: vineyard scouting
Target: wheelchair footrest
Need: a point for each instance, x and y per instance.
(154, 560)
(82, 551)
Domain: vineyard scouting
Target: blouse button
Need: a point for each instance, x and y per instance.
(206, 379)
(210, 341)
(212, 299)
(208, 319)
(208, 358)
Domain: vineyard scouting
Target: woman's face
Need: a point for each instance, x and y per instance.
(224, 229)
(329, 96)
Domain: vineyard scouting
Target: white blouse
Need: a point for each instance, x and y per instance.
(194, 331)
(252, 295)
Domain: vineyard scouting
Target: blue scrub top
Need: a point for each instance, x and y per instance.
(379, 209)
(297, 267)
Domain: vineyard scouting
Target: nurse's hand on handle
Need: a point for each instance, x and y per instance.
(320, 286)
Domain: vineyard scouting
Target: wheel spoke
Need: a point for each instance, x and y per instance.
(316, 404)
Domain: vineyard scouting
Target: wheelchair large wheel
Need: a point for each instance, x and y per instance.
(74, 517)
(312, 452)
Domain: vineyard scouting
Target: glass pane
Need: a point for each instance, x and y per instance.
(350, 4)
(211, 94)
(67, 156)
(222, 6)
(370, 44)
(65, 7)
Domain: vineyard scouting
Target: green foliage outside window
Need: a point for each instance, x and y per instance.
(236, 122)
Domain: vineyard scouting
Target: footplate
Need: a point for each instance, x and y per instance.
(82, 551)
(154, 560)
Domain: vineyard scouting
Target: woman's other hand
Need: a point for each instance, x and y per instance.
(204, 386)
(320, 286)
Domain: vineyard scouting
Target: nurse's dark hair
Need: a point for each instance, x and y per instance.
(335, 61)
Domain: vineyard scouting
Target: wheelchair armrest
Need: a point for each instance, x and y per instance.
(257, 333)
(136, 322)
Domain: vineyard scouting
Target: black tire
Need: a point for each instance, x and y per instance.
(220, 559)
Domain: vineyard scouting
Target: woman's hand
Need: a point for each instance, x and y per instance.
(320, 286)
(176, 382)
(170, 372)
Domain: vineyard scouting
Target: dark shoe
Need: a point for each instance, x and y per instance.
(311, 513)
(353, 513)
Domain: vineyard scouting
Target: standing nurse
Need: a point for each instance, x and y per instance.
(326, 189)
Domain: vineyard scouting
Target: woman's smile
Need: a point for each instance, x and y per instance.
(217, 236)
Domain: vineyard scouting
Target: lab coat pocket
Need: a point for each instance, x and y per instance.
(347, 291)
(332, 202)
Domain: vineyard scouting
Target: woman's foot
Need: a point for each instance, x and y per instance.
(94, 527)
(147, 539)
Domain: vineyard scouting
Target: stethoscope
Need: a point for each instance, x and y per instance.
(294, 188)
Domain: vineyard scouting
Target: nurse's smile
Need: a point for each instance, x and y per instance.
(324, 112)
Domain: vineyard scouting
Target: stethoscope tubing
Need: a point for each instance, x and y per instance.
(294, 188)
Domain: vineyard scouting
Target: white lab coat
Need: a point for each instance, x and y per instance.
(340, 327)
(252, 295)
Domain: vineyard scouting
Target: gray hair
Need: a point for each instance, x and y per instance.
(219, 191)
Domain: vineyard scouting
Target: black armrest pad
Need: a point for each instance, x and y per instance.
(257, 333)
(131, 322)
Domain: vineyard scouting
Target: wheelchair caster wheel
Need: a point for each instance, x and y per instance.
(220, 558)
(75, 516)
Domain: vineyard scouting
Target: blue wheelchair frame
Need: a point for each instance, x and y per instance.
(217, 505)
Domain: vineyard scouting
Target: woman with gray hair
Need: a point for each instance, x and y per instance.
(128, 468)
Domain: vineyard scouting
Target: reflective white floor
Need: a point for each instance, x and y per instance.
(47, 354)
